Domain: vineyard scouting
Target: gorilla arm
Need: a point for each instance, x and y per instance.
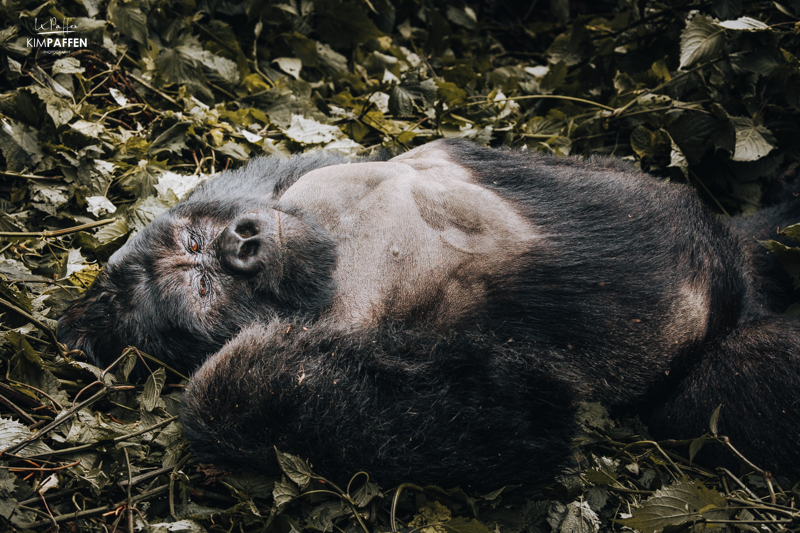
(396, 402)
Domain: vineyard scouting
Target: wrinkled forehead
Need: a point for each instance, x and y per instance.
(156, 240)
(168, 234)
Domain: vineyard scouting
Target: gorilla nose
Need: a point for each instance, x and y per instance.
(246, 246)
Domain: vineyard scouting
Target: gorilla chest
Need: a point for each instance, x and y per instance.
(419, 244)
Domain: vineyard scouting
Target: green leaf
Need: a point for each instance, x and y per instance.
(173, 139)
(793, 232)
(181, 64)
(401, 102)
(566, 47)
(763, 62)
(366, 493)
(713, 423)
(304, 48)
(555, 77)
(345, 24)
(406, 97)
(109, 233)
(464, 17)
(59, 109)
(450, 92)
(461, 524)
(295, 468)
(9, 43)
(12, 432)
(310, 131)
(752, 141)
(233, 150)
(290, 65)
(744, 24)
(648, 143)
(284, 492)
(128, 19)
(141, 180)
(727, 9)
(682, 503)
(144, 211)
(152, 389)
(695, 447)
(678, 160)
(253, 485)
(702, 40)
(20, 145)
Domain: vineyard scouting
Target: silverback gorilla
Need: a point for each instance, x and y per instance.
(435, 317)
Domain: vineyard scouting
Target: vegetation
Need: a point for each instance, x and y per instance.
(98, 138)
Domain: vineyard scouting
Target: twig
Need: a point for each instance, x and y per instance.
(100, 510)
(28, 176)
(116, 440)
(396, 499)
(55, 233)
(23, 469)
(788, 511)
(156, 473)
(11, 405)
(67, 415)
(34, 389)
(158, 92)
(60, 348)
(167, 367)
(657, 447)
(145, 430)
(727, 442)
(540, 97)
(739, 482)
(776, 521)
(130, 500)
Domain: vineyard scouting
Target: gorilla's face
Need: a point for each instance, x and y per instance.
(188, 282)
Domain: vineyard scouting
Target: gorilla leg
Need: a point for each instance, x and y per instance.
(754, 372)
(401, 404)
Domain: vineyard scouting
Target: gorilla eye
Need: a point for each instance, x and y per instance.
(203, 286)
(193, 246)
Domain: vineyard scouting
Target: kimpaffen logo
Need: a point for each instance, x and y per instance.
(51, 34)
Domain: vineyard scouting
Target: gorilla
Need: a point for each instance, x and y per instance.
(436, 316)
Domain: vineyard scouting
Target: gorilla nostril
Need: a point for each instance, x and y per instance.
(248, 248)
(246, 229)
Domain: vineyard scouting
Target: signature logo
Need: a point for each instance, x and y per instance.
(52, 33)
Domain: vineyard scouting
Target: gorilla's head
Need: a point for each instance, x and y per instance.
(189, 281)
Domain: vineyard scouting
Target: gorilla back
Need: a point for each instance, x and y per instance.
(435, 316)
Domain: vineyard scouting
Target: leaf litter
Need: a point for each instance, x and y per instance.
(98, 141)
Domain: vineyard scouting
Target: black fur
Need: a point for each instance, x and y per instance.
(449, 345)
(399, 403)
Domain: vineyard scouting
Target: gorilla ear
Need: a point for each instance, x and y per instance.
(86, 325)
